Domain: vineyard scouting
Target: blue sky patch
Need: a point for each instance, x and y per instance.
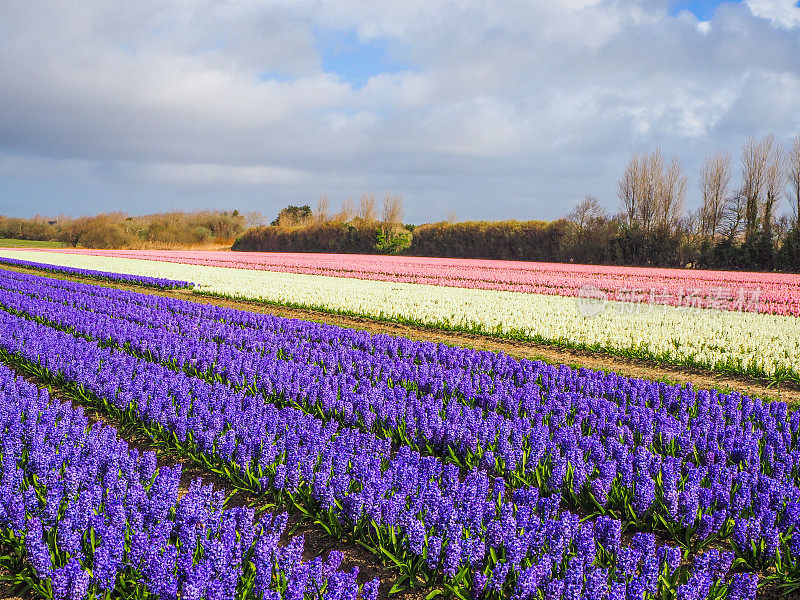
(702, 9)
(354, 60)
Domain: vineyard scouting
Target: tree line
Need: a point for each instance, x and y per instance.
(119, 230)
(735, 227)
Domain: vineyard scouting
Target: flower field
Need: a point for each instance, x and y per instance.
(85, 516)
(472, 474)
(770, 293)
(162, 284)
(755, 343)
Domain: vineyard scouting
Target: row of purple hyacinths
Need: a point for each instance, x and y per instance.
(466, 526)
(694, 466)
(156, 282)
(95, 518)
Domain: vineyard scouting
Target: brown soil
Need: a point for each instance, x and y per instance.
(7, 592)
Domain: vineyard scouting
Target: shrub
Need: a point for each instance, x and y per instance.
(393, 241)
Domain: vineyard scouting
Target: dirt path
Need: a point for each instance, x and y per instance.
(629, 367)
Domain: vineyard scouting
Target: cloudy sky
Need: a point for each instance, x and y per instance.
(492, 109)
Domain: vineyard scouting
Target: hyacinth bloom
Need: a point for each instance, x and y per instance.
(689, 333)
(156, 282)
(774, 293)
(92, 516)
(111, 319)
(243, 388)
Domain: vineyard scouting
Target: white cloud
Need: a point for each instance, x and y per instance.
(531, 104)
(206, 174)
(785, 13)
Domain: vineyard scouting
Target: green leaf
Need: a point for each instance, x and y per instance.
(399, 585)
(392, 557)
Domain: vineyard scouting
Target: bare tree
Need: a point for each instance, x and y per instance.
(366, 208)
(782, 226)
(774, 187)
(322, 213)
(793, 165)
(691, 223)
(392, 209)
(671, 194)
(650, 182)
(255, 219)
(652, 193)
(345, 213)
(637, 188)
(756, 156)
(715, 180)
(628, 191)
(733, 215)
(587, 212)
